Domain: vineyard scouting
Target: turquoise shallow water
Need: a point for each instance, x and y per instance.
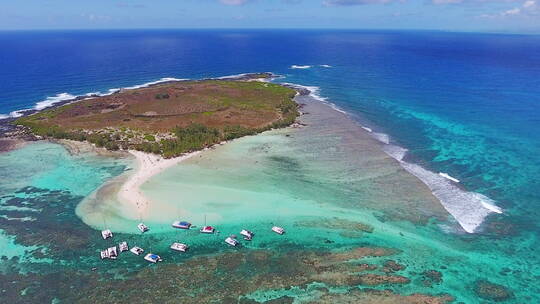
(465, 104)
(290, 173)
(41, 185)
(303, 179)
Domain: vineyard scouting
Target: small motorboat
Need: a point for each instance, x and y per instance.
(113, 253)
(104, 254)
(179, 247)
(152, 258)
(137, 250)
(106, 234)
(278, 230)
(248, 235)
(208, 229)
(232, 241)
(143, 228)
(181, 225)
(123, 246)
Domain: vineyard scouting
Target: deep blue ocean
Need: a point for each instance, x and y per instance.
(462, 103)
(467, 104)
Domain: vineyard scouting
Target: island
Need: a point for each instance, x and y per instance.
(172, 118)
(166, 123)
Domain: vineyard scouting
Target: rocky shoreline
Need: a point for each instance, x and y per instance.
(11, 133)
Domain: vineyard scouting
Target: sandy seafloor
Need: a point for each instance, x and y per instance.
(360, 228)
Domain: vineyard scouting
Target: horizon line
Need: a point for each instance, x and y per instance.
(501, 32)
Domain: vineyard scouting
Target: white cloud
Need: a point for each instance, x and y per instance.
(446, 1)
(529, 3)
(529, 7)
(233, 2)
(96, 18)
(470, 1)
(353, 2)
(510, 12)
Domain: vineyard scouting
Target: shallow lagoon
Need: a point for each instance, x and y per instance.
(328, 183)
(462, 103)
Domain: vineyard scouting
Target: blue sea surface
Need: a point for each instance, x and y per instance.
(462, 103)
(467, 104)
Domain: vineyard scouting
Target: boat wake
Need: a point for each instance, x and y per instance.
(468, 208)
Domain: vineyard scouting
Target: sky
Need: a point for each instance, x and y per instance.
(518, 16)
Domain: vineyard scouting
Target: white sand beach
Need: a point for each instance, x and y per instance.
(147, 165)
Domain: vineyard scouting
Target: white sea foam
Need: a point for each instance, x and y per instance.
(445, 175)
(492, 207)
(162, 80)
(395, 152)
(237, 76)
(314, 93)
(325, 66)
(232, 76)
(367, 129)
(382, 137)
(16, 114)
(468, 208)
(50, 101)
(302, 67)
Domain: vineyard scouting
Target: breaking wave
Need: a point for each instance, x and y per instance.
(302, 67)
(63, 97)
(468, 208)
(314, 93)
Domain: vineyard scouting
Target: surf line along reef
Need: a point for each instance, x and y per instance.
(170, 118)
(214, 111)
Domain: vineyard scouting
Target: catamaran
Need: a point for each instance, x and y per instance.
(106, 234)
(179, 247)
(248, 235)
(181, 225)
(208, 229)
(153, 258)
(142, 227)
(232, 241)
(137, 250)
(278, 230)
(112, 252)
(123, 246)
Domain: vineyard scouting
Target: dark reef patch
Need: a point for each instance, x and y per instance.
(393, 266)
(491, 291)
(430, 277)
(337, 224)
(215, 278)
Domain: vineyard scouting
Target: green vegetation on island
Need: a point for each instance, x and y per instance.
(170, 119)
